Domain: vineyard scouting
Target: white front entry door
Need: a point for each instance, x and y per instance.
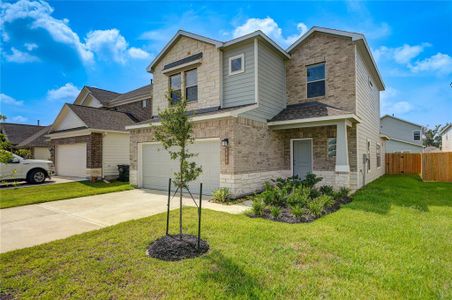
(71, 160)
(157, 167)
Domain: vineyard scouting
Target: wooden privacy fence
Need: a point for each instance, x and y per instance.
(433, 166)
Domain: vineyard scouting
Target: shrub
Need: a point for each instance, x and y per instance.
(342, 193)
(299, 196)
(221, 195)
(311, 180)
(258, 206)
(297, 211)
(289, 183)
(314, 193)
(326, 190)
(317, 205)
(267, 196)
(275, 212)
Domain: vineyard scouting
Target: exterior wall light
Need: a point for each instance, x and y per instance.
(225, 142)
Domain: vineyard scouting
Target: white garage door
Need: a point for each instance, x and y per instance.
(157, 166)
(71, 160)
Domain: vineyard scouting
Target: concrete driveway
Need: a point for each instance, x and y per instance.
(54, 180)
(31, 225)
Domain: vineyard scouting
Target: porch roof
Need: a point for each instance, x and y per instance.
(311, 112)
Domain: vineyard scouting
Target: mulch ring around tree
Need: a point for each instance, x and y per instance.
(287, 217)
(175, 247)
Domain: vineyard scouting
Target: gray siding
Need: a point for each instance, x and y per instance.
(238, 89)
(395, 146)
(271, 84)
(399, 130)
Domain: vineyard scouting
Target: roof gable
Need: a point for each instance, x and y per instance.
(401, 120)
(67, 119)
(358, 38)
(101, 96)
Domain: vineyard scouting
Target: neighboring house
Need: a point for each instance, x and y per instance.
(404, 136)
(262, 112)
(446, 138)
(88, 138)
(26, 136)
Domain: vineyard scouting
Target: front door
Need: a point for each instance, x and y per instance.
(302, 157)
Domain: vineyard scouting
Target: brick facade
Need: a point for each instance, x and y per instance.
(208, 74)
(338, 54)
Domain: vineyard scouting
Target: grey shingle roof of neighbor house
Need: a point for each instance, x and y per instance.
(102, 95)
(36, 140)
(308, 110)
(16, 133)
(144, 92)
(99, 118)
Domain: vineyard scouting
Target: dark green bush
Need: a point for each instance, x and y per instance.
(311, 180)
(258, 207)
(326, 190)
(342, 193)
(275, 211)
(298, 211)
(299, 196)
(314, 193)
(317, 206)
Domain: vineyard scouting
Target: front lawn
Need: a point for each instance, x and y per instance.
(393, 241)
(60, 191)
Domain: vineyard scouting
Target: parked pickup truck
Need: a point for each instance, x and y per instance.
(31, 170)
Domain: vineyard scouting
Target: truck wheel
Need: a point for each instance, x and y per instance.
(36, 176)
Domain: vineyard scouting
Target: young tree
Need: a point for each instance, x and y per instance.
(432, 137)
(175, 132)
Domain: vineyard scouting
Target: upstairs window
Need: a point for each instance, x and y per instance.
(175, 87)
(191, 85)
(417, 135)
(236, 64)
(316, 80)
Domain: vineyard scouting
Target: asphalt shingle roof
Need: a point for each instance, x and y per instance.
(308, 110)
(16, 133)
(36, 140)
(102, 95)
(100, 118)
(141, 92)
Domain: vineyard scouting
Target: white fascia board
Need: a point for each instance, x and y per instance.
(59, 135)
(255, 34)
(317, 119)
(233, 113)
(406, 142)
(175, 37)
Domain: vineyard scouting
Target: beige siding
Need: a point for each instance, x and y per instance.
(69, 120)
(208, 74)
(41, 153)
(115, 152)
(446, 142)
(400, 130)
(92, 102)
(368, 110)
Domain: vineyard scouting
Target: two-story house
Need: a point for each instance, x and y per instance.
(262, 112)
(88, 137)
(404, 136)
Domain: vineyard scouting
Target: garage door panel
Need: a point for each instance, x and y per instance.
(157, 166)
(71, 160)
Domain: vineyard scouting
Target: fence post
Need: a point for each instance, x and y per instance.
(168, 206)
(199, 215)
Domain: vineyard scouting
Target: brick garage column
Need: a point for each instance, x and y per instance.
(342, 164)
(94, 155)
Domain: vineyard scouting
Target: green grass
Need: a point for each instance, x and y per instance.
(52, 192)
(393, 241)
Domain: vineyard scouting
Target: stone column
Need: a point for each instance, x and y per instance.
(342, 164)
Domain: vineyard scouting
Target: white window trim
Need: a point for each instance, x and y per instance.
(312, 81)
(376, 155)
(420, 137)
(242, 56)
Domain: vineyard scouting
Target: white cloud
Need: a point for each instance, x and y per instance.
(107, 43)
(65, 93)
(8, 100)
(401, 55)
(441, 63)
(19, 119)
(138, 53)
(18, 56)
(30, 46)
(390, 105)
(270, 28)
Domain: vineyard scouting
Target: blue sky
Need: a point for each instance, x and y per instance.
(49, 50)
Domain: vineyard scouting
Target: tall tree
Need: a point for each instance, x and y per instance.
(432, 137)
(175, 132)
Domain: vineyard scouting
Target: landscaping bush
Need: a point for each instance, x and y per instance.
(258, 206)
(342, 193)
(275, 211)
(311, 180)
(314, 193)
(326, 190)
(298, 211)
(221, 195)
(299, 196)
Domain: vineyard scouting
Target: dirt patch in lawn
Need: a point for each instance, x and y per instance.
(176, 247)
(286, 215)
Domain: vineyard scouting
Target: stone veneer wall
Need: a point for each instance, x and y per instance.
(93, 151)
(208, 74)
(338, 54)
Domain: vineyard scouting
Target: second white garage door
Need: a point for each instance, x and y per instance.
(71, 160)
(157, 166)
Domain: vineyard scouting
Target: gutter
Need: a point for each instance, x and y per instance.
(317, 119)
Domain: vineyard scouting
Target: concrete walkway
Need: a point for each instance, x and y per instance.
(31, 225)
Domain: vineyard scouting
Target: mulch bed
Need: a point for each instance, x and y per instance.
(287, 217)
(175, 247)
